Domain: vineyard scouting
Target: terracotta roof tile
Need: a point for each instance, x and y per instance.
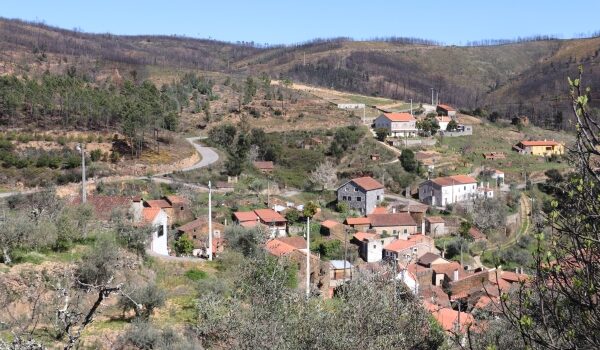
(149, 214)
(401, 244)
(358, 221)
(158, 203)
(380, 210)
(367, 183)
(361, 236)
(396, 219)
(446, 107)
(399, 117)
(192, 225)
(454, 180)
(330, 224)
(269, 215)
(285, 245)
(176, 199)
(435, 219)
(242, 216)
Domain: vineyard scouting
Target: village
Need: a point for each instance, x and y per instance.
(424, 237)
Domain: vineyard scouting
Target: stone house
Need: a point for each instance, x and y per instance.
(435, 226)
(197, 232)
(393, 224)
(361, 194)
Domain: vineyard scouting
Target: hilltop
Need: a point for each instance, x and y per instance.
(512, 78)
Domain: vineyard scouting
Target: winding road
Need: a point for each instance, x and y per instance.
(209, 156)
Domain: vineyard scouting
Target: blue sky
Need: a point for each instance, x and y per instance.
(275, 22)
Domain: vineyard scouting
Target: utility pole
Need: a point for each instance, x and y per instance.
(437, 97)
(432, 96)
(364, 114)
(210, 242)
(81, 148)
(411, 113)
(307, 257)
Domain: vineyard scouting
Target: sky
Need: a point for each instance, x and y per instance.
(293, 21)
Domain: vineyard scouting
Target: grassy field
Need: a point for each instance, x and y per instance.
(494, 138)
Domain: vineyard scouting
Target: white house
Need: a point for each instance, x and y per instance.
(409, 279)
(397, 124)
(442, 191)
(443, 121)
(157, 218)
(498, 176)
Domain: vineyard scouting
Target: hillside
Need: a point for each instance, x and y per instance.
(514, 78)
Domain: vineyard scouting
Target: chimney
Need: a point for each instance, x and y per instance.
(393, 210)
(455, 277)
(516, 270)
(521, 270)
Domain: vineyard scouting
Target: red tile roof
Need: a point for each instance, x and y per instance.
(269, 216)
(285, 245)
(158, 203)
(295, 241)
(396, 219)
(380, 210)
(513, 277)
(330, 224)
(192, 225)
(435, 219)
(149, 214)
(446, 107)
(476, 234)
(176, 199)
(249, 224)
(449, 268)
(448, 318)
(358, 221)
(539, 143)
(401, 244)
(399, 117)
(443, 119)
(367, 183)
(454, 180)
(242, 216)
(361, 236)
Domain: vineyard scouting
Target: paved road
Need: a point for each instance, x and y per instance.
(209, 156)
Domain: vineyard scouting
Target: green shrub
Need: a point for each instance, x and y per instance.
(195, 274)
(95, 155)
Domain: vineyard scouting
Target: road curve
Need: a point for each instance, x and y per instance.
(209, 156)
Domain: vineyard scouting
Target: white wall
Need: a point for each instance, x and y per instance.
(159, 234)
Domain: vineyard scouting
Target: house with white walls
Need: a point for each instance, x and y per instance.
(157, 219)
(397, 124)
(441, 191)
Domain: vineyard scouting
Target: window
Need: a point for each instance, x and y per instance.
(465, 188)
(355, 189)
(405, 231)
(194, 236)
(358, 199)
(374, 246)
(181, 208)
(378, 198)
(343, 198)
